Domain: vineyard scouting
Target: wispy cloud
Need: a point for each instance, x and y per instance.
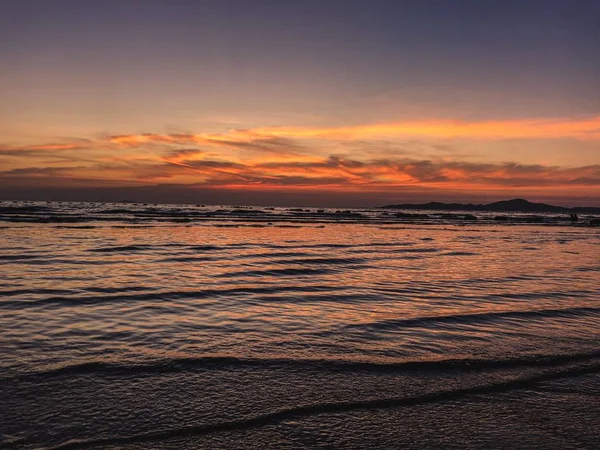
(511, 129)
(336, 172)
(376, 157)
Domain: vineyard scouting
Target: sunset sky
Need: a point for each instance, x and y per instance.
(300, 102)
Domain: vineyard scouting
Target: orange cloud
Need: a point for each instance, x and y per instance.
(515, 129)
(297, 158)
(50, 147)
(333, 173)
(289, 143)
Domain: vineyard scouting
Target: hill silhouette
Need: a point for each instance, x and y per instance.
(514, 205)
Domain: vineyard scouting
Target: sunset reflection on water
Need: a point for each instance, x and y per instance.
(350, 290)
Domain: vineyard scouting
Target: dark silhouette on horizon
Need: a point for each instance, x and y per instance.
(514, 205)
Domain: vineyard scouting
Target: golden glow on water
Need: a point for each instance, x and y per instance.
(357, 290)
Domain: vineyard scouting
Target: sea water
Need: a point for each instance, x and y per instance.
(157, 326)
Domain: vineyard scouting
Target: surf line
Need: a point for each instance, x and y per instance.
(322, 408)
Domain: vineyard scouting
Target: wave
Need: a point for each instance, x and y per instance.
(459, 254)
(124, 248)
(318, 261)
(207, 248)
(23, 209)
(112, 290)
(216, 362)
(277, 272)
(187, 259)
(475, 317)
(19, 257)
(52, 260)
(587, 269)
(270, 254)
(370, 244)
(132, 226)
(278, 217)
(160, 296)
(77, 227)
(39, 291)
(538, 295)
(146, 247)
(417, 250)
(295, 412)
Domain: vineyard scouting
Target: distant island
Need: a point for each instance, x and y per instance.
(514, 205)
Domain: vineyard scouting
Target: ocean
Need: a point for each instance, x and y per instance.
(136, 326)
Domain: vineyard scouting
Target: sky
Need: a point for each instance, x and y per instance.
(300, 102)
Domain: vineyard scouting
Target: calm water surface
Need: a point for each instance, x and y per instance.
(299, 333)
